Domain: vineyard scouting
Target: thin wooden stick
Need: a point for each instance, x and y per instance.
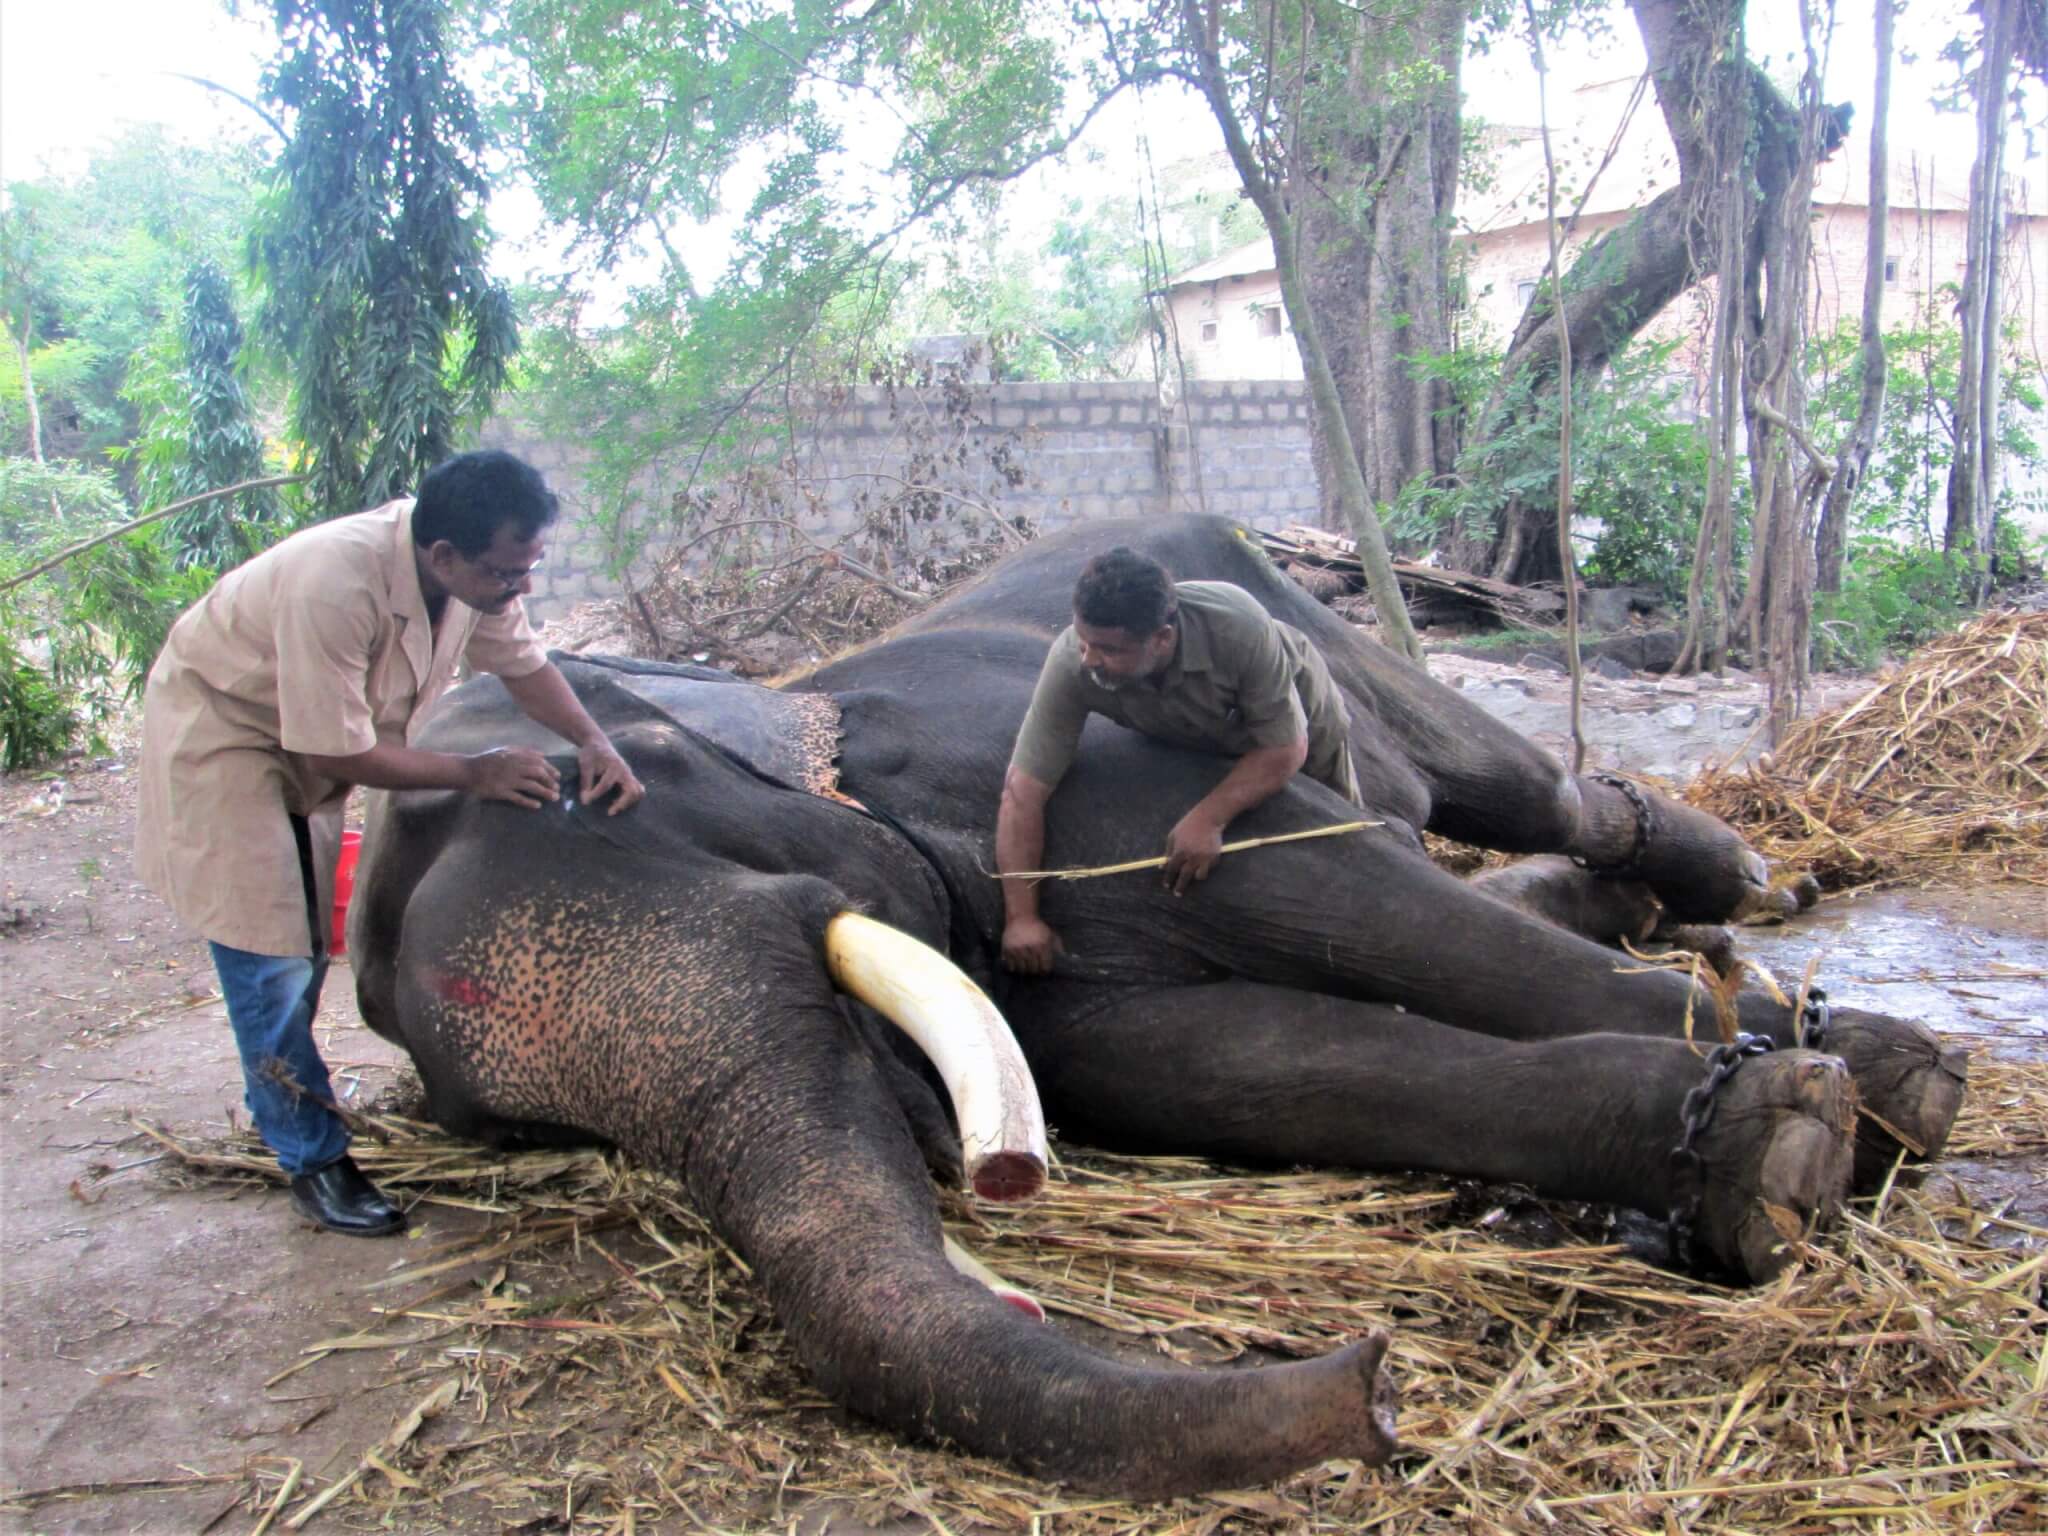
(1160, 862)
(142, 522)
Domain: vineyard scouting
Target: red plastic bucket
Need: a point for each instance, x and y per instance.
(344, 887)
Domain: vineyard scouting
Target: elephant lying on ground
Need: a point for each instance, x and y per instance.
(680, 981)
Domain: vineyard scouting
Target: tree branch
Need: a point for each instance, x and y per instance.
(141, 522)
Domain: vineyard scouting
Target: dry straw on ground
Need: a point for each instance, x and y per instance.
(613, 1364)
(1939, 772)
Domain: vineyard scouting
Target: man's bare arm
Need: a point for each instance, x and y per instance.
(516, 775)
(1028, 944)
(1196, 841)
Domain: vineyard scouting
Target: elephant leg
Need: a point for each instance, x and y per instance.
(1491, 787)
(1602, 908)
(1268, 1074)
(1375, 920)
(1555, 889)
(1909, 1081)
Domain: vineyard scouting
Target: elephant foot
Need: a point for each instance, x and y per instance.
(1578, 900)
(1711, 942)
(1695, 863)
(1784, 901)
(1765, 1157)
(1909, 1082)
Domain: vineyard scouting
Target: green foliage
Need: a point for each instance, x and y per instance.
(37, 722)
(1639, 467)
(199, 432)
(92, 627)
(94, 268)
(1898, 588)
(1905, 487)
(1894, 598)
(371, 246)
(843, 126)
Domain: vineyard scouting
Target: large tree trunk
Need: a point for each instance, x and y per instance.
(1622, 280)
(1373, 211)
(1854, 456)
(1973, 473)
(1272, 194)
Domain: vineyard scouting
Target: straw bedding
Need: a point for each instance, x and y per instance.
(1939, 773)
(613, 1364)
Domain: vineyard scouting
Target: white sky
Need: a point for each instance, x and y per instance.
(72, 72)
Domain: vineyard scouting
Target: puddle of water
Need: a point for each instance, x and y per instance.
(1972, 964)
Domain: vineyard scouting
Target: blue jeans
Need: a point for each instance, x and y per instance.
(271, 1002)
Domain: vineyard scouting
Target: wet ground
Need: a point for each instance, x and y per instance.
(1972, 963)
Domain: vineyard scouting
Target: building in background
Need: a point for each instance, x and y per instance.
(1226, 316)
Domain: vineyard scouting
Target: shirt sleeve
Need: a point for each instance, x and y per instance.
(505, 643)
(1266, 700)
(1051, 732)
(323, 671)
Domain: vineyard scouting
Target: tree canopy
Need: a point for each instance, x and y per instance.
(372, 246)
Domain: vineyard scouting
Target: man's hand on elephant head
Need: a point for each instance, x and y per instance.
(1030, 946)
(603, 771)
(1192, 849)
(516, 775)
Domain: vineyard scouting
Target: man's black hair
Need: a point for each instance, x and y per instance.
(468, 498)
(1122, 589)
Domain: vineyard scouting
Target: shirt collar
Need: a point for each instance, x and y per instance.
(408, 602)
(1191, 653)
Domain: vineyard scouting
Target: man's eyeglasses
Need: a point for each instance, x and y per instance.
(506, 578)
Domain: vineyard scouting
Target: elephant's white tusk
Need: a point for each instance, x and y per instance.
(968, 1265)
(1002, 1129)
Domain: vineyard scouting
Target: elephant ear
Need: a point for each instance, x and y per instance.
(791, 739)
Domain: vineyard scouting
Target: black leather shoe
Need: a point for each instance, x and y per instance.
(340, 1199)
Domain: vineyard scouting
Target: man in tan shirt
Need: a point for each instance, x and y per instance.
(304, 673)
(1197, 663)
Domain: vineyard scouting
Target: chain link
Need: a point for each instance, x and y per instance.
(1695, 1115)
(1630, 867)
(1814, 1017)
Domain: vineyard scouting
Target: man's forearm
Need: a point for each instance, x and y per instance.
(1254, 779)
(546, 698)
(1020, 845)
(390, 766)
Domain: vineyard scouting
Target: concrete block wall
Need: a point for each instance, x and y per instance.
(1238, 448)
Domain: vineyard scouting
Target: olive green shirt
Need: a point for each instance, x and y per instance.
(1238, 679)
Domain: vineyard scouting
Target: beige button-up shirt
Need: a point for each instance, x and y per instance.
(319, 645)
(1238, 679)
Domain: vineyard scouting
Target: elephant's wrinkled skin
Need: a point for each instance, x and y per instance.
(656, 980)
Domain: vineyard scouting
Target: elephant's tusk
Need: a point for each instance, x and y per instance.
(1002, 1129)
(968, 1265)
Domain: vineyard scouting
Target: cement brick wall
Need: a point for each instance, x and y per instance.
(1238, 448)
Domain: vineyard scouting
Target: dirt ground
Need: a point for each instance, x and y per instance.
(147, 1323)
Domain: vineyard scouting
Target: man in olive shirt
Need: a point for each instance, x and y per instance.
(1199, 664)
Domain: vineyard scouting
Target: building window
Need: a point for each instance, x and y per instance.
(1208, 333)
(1525, 292)
(1269, 319)
(1891, 269)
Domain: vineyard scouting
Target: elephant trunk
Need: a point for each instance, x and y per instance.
(896, 1335)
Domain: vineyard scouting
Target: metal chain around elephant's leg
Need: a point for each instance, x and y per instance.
(1688, 1168)
(1629, 867)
